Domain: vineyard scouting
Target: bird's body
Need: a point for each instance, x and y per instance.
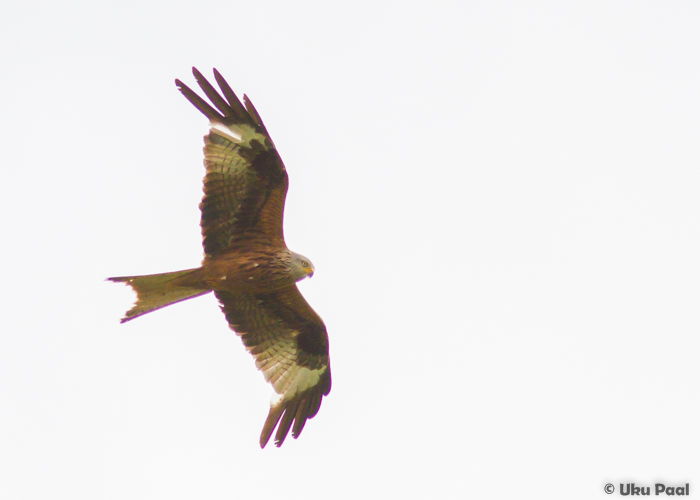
(247, 263)
(248, 271)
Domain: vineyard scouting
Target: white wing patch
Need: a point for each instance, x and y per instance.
(239, 134)
(288, 379)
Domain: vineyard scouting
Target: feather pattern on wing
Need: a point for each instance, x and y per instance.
(246, 183)
(290, 345)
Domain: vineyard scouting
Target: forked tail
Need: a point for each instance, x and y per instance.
(157, 290)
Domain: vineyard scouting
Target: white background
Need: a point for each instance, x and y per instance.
(501, 200)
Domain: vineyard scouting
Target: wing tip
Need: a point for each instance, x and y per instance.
(270, 423)
(293, 415)
(229, 107)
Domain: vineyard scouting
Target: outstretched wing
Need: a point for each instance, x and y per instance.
(290, 345)
(246, 183)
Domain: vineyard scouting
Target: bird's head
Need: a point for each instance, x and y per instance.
(302, 267)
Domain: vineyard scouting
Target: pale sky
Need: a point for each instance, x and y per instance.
(502, 201)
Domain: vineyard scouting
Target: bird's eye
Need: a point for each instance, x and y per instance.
(304, 263)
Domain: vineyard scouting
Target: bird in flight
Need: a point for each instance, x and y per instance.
(247, 263)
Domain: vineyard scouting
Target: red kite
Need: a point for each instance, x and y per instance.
(247, 263)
